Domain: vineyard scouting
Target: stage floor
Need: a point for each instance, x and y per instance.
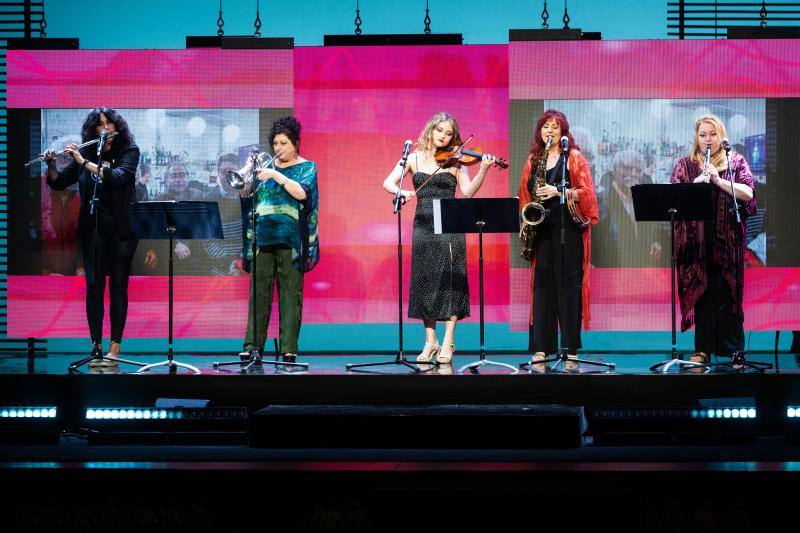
(626, 364)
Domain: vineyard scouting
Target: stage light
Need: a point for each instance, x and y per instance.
(28, 412)
(129, 424)
(29, 423)
(725, 423)
(793, 411)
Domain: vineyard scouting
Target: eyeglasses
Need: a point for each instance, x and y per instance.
(181, 175)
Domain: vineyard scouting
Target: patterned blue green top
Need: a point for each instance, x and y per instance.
(284, 220)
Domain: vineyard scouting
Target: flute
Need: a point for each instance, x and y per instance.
(43, 157)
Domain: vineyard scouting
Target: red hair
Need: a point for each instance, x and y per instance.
(537, 144)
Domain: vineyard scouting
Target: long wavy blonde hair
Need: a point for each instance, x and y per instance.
(698, 154)
(425, 141)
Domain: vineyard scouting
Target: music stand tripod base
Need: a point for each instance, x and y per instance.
(399, 360)
(258, 361)
(564, 358)
(738, 360)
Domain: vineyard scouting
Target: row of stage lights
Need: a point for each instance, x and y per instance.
(122, 413)
(28, 412)
(735, 412)
(138, 413)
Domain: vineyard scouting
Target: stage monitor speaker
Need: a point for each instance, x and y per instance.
(411, 426)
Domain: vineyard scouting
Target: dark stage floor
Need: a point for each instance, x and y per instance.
(723, 484)
(626, 364)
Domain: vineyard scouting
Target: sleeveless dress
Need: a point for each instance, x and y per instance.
(439, 287)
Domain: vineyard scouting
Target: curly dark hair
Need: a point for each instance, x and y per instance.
(290, 127)
(124, 136)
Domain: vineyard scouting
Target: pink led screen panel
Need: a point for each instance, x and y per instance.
(357, 106)
(632, 106)
(189, 110)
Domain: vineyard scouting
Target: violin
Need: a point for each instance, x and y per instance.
(467, 157)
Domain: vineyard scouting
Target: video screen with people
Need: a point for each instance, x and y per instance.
(196, 114)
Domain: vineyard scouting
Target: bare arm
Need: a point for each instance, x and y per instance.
(392, 181)
(471, 186)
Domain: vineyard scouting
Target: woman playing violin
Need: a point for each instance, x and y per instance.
(439, 290)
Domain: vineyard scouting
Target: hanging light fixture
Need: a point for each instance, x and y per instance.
(257, 22)
(220, 22)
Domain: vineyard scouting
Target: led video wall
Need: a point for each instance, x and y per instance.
(198, 113)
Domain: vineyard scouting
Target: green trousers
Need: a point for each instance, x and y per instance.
(274, 264)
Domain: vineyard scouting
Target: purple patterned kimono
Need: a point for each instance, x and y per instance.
(727, 247)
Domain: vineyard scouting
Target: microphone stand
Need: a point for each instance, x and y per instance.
(254, 358)
(97, 351)
(738, 361)
(400, 358)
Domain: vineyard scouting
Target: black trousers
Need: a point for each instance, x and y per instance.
(717, 329)
(557, 304)
(114, 258)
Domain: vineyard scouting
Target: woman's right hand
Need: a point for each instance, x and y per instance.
(268, 174)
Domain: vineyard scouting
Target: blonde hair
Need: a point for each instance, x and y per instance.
(425, 141)
(698, 153)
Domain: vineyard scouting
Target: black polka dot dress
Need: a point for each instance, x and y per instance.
(439, 287)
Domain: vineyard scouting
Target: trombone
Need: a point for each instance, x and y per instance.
(44, 157)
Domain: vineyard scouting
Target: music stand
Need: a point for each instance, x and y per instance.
(477, 215)
(673, 202)
(171, 220)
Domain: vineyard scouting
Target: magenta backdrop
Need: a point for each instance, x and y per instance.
(357, 106)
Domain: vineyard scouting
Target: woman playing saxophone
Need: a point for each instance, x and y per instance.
(558, 301)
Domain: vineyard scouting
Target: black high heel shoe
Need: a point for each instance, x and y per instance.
(97, 355)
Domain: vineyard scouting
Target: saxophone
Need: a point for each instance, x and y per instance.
(533, 213)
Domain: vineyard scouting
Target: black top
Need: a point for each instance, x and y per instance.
(116, 191)
(552, 205)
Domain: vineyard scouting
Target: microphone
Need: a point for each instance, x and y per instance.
(102, 143)
(549, 142)
(564, 143)
(708, 153)
(726, 145)
(406, 151)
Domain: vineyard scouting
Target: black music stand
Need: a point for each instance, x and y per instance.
(171, 220)
(672, 202)
(477, 215)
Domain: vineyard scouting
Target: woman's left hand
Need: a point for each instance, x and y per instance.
(711, 171)
(546, 192)
(487, 160)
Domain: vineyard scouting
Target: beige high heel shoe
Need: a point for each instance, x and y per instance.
(538, 364)
(429, 352)
(444, 358)
(571, 365)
